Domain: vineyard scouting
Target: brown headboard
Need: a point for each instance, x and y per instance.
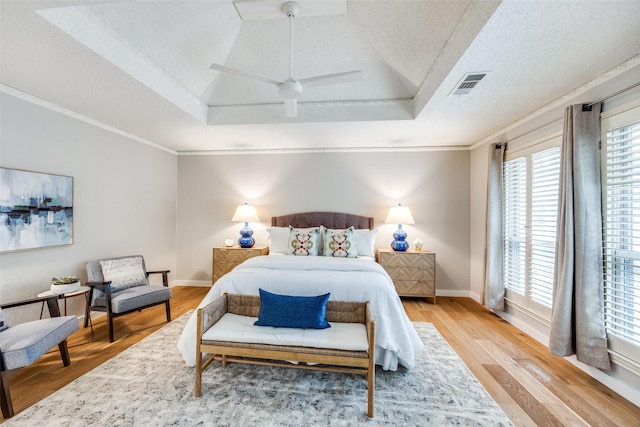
(328, 219)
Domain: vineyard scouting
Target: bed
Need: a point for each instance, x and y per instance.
(346, 278)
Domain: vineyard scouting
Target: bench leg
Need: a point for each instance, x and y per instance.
(371, 377)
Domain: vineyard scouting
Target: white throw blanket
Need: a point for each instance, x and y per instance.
(347, 279)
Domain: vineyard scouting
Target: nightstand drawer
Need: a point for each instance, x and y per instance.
(408, 273)
(408, 288)
(408, 260)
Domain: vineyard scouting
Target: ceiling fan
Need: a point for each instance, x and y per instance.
(291, 89)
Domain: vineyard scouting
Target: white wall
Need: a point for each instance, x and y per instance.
(433, 184)
(124, 197)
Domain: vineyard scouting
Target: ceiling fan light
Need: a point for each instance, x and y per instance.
(291, 107)
(290, 89)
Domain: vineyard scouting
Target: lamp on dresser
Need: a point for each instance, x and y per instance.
(399, 215)
(246, 213)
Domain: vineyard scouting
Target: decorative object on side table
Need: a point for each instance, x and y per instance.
(418, 243)
(399, 215)
(64, 285)
(246, 213)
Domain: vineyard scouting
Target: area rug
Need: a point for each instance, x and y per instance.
(149, 384)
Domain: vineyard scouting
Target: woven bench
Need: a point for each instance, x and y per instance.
(322, 349)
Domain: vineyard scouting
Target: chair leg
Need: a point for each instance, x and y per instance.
(64, 352)
(168, 310)
(5, 396)
(110, 319)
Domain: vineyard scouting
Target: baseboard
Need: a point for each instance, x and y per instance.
(199, 283)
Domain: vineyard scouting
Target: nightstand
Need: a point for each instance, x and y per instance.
(226, 258)
(413, 272)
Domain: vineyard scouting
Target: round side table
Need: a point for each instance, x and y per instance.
(84, 290)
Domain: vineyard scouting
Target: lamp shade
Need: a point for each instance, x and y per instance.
(245, 213)
(399, 215)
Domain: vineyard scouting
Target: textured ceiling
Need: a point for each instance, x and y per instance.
(143, 67)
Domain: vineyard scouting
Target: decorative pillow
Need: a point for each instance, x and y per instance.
(278, 240)
(124, 273)
(365, 242)
(340, 243)
(288, 311)
(303, 241)
(3, 323)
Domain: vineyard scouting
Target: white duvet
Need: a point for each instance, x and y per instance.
(347, 279)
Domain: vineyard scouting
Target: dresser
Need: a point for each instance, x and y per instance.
(413, 272)
(226, 258)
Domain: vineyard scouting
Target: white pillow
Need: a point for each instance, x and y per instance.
(278, 240)
(124, 273)
(365, 242)
(339, 243)
(303, 241)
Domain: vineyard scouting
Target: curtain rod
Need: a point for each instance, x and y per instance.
(613, 94)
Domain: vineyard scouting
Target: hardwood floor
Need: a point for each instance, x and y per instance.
(532, 386)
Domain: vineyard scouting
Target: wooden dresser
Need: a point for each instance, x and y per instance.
(226, 258)
(413, 272)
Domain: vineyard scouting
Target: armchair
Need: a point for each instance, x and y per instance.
(120, 286)
(23, 344)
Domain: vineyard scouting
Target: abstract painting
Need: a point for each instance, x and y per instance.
(36, 210)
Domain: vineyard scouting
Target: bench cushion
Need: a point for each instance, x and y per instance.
(341, 336)
(24, 343)
(132, 298)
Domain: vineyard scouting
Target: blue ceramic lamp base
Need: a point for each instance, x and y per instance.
(399, 243)
(246, 241)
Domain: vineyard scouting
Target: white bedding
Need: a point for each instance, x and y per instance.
(347, 279)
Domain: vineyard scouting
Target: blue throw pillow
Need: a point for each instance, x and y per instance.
(287, 311)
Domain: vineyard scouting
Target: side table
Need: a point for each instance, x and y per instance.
(84, 291)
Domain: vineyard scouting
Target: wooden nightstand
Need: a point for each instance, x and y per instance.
(413, 272)
(225, 258)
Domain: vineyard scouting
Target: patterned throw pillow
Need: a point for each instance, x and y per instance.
(340, 243)
(303, 241)
(124, 273)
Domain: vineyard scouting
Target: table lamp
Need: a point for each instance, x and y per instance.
(246, 213)
(399, 215)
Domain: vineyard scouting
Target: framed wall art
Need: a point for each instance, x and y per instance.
(36, 210)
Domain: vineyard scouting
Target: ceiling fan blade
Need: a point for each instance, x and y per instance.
(291, 107)
(330, 79)
(244, 74)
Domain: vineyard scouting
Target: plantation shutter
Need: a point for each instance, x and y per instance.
(515, 220)
(545, 176)
(622, 232)
(530, 192)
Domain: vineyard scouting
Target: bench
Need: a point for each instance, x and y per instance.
(226, 332)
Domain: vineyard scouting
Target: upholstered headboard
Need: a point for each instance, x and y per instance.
(335, 220)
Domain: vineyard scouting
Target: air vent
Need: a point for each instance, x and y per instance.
(468, 82)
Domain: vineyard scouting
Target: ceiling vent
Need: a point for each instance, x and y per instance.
(468, 82)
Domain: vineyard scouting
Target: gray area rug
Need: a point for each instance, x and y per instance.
(149, 384)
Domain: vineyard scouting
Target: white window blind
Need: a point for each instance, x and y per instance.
(545, 177)
(515, 221)
(530, 197)
(622, 234)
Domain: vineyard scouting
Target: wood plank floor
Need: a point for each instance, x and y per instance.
(532, 386)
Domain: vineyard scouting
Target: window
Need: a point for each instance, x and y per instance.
(530, 199)
(621, 234)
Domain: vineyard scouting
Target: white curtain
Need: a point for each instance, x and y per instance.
(577, 323)
(493, 296)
